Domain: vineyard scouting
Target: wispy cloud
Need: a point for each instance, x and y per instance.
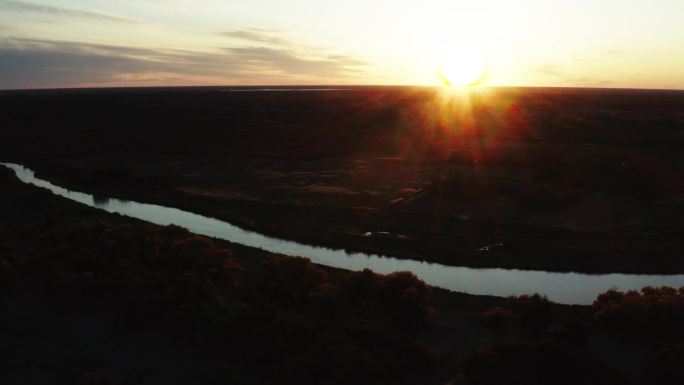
(27, 6)
(258, 35)
(29, 63)
(290, 61)
(270, 51)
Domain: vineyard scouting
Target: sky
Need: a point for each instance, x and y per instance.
(101, 43)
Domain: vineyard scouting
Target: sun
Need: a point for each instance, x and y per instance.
(464, 69)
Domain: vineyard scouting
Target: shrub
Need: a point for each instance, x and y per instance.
(649, 313)
(532, 312)
(529, 312)
(406, 297)
(401, 296)
(195, 252)
(289, 280)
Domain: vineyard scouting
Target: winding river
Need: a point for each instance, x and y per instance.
(567, 288)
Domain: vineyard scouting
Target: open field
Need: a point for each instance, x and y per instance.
(554, 179)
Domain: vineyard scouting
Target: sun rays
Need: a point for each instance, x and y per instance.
(462, 70)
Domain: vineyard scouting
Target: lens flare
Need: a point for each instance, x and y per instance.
(462, 65)
(463, 71)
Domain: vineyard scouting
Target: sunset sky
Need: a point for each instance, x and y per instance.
(607, 43)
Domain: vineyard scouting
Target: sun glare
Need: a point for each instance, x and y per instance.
(460, 62)
(462, 70)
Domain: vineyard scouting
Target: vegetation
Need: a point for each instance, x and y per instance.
(649, 313)
(526, 312)
(306, 324)
(652, 317)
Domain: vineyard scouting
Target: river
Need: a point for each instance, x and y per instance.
(566, 288)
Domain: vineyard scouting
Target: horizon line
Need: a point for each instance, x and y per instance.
(324, 86)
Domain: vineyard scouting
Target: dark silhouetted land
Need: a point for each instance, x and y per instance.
(556, 179)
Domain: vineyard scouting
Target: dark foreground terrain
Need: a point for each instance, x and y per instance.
(530, 178)
(93, 298)
(555, 179)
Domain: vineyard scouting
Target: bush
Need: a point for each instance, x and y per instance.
(532, 312)
(401, 296)
(650, 313)
(289, 280)
(529, 312)
(406, 297)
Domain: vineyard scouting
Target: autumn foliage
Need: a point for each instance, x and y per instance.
(651, 312)
(527, 312)
(301, 322)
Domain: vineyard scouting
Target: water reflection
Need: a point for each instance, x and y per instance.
(569, 288)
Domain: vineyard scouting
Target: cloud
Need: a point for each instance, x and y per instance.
(288, 61)
(34, 63)
(26, 6)
(274, 53)
(258, 35)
